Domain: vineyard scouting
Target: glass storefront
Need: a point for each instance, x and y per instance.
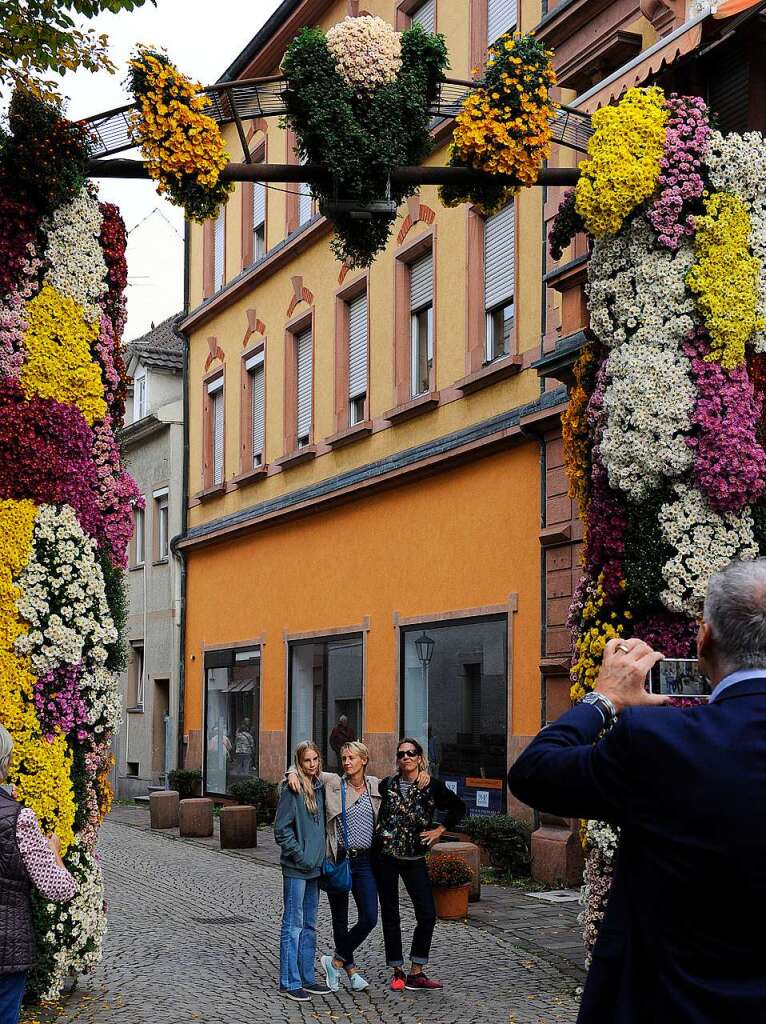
(454, 702)
(326, 695)
(232, 704)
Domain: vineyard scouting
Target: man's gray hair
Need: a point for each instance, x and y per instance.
(6, 751)
(735, 610)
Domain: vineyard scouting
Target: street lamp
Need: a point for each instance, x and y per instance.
(424, 648)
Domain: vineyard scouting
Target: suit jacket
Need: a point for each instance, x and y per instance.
(681, 939)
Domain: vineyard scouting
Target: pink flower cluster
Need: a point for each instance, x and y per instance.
(12, 328)
(672, 634)
(117, 494)
(59, 704)
(729, 462)
(105, 350)
(687, 142)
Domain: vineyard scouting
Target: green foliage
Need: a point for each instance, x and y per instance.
(505, 839)
(646, 552)
(80, 786)
(448, 871)
(42, 36)
(117, 599)
(263, 795)
(186, 781)
(359, 140)
(758, 512)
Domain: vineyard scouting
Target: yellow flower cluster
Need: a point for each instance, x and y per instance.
(725, 278)
(574, 428)
(178, 140)
(623, 163)
(40, 770)
(598, 625)
(59, 362)
(504, 125)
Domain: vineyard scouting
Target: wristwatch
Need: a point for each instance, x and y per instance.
(604, 705)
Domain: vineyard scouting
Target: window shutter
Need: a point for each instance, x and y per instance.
(357, 346)
(303, 344)
(425, 16)
(501, 17)
(499, 257)
(729, 89)
(304, 201)
(259, 204)
(218, 437)
(421, 282)
(219, 242)
(258, 408)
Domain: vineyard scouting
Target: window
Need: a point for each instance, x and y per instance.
(216, 454)
(255, 367)
(304, 387)
(421, 324)
(139, 535)
(136, 676)
(325, 694)
(140, 396)
(219, 250)
(259, 220)
(357, 358)
(232, 705)
(499, 273)
(456, 705)
(161, 520)
(501, 17)
(425, 16)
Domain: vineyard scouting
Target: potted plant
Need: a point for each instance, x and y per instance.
(451, 881)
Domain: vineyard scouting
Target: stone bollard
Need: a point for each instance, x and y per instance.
(469, 853)
(195, 818)
(239, 828)
(163, 809)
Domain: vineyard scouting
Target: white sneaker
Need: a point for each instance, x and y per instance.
(357, 982)
(331, 973)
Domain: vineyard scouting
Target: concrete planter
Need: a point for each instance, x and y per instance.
(451, 901)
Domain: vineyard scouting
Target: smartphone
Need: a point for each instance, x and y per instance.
(679, 677)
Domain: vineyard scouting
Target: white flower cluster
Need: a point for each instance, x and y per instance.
(601, 843)
(704, 542)
(75, 258)
(648, 402)
(738, 164)
(102, 696)
(367, 52)
(76, 929)
(63, 596)
(638, 292)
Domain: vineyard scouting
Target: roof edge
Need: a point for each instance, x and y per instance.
(262, 36)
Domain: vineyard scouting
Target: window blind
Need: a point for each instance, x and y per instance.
(357, 346)
(425, 16)
(258, 409)
(219, 242)
(304, 383)
(421, 282)
(501, 17)
(217, 416)
(304, 201)
(259, 204)
(499, 257)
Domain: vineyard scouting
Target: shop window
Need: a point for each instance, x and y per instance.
(499, 274)
(232, 704)
(454, 701)
(326, 694)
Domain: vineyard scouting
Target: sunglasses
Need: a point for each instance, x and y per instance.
(400, 754)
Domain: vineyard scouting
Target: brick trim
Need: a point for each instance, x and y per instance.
(478, 34)
(417, 212)
(300, 294)
(215, 352)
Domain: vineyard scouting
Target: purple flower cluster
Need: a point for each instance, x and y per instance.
(59, 703)
(672, 634)
(729, 463)
(687, 142)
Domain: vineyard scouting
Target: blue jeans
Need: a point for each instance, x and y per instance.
(298, 939)
(11, 993)
(365, 893)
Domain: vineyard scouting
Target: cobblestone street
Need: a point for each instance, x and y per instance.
(194, 936)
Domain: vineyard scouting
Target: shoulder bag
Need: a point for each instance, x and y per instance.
(336, 875)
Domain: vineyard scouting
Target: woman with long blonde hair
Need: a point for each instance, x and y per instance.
(299, 829)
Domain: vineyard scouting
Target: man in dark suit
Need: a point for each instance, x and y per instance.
(682, 938)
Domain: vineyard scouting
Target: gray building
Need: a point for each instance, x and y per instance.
(152, 441)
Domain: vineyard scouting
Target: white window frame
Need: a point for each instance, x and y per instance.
(163, 523)
(305, 201)
(416, 341)
(219, 250)
(358, 376)
(303, 436)
(254, 365)
(140, 395)
(139, 535)
(138, 654)
(259, 225)
(216, 398)
(499, 292)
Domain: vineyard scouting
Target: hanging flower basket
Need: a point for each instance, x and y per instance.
(357, 100)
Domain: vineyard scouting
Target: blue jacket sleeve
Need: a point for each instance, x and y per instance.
(284, 826)
(565, 772)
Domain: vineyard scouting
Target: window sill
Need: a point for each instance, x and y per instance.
(297, 457)
(498, 370)
(211, 492)
(252, 476)
(138, 710)
(414, 407)
(135, 568)
(350, 434)
(160, 561)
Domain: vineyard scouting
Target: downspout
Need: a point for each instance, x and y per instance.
(181, 554)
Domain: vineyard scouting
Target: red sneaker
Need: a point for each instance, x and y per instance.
(418, 982)
(398, 981)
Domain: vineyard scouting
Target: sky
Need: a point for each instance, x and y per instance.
(202, 39)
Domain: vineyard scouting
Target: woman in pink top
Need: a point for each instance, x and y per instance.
(27, 859)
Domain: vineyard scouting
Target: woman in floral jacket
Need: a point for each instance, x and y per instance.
(405, 832)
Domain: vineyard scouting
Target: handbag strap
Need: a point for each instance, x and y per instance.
(344, 817)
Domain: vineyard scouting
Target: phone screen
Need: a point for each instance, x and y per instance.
(679, 677)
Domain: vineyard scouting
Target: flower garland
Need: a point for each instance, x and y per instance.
(601, 843)
(367, 52)
(504, 126)
(182, 146)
